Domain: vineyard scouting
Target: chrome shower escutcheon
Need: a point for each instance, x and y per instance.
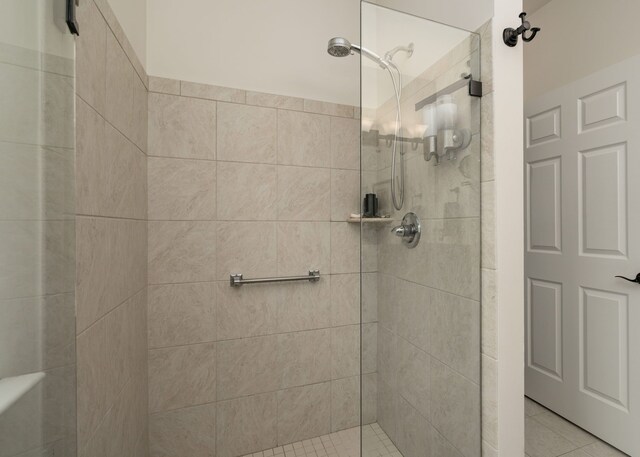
(409, 230)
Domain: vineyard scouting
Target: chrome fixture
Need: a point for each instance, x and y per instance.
(341, 47)
(237, 280)
(409, 230)
(442, 137)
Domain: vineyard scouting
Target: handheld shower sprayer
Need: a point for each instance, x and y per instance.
(341, 47)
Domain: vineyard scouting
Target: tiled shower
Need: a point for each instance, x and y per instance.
(258, 184)
(180, 184)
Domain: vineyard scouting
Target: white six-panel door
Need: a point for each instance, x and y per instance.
(582, 222)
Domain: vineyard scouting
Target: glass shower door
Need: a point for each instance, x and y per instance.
(420, 298)
(37, 230)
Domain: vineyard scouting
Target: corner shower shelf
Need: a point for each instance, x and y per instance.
(369, 220)
(13, 388)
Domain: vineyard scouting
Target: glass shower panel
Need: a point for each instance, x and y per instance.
(37, 230)
(420, 298)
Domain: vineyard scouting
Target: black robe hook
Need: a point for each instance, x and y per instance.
(510, 36)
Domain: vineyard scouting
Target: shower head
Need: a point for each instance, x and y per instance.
(341, 47)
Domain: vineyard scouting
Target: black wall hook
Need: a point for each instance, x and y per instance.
(510, 36)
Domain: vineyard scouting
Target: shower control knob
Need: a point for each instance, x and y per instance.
(408, 230)
(402, 231)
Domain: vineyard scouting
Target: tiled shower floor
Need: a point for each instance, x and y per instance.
(346, 443)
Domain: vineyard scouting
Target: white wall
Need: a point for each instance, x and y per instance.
(509, 229)
(276, 46)
(578, 37)
(465, 14)
(279, 46)
(132, 15)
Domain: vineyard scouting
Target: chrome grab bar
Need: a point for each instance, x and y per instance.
(236, 280)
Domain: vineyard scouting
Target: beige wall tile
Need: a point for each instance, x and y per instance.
(369, 297)
(181, 251)
(248, 366)
(486, 147)
(303, 139)
(333, 109)
(90, 148)
(345, 299)
(56, 127)
(345, 403)
(246, 425)
(488, 311)
(305, 357)
(223, 94)
(248, 248)
(247, 311)
(91, 56)
(303, 246)
(140, 113)
(181, 189)
(59, 257)
(345, 143)
(20, 181)
(164, 85)
(39, 107)
(25, 168)
(369, 398)
(369, 242)
(452, 265)
(182, 376)
(119, 92)
(111, 265)
(21, 262)
(246, 192)
(58, 345)
(20, 123)
(387, 310)
(345, 248)
(110, 170)
(181, 127)
(414, 431)
(414, 314)
(119, 344)
(118, 31)
(345, 351)
(304, 306)
(304, 412)
(183, 432)
(369, 351)
(388, 358)
(246, 133)
(489, 400)
(386, 413)
(181, 314)
(413, 377)
(275, 101)
(304, 194)
(488, 225)
(455, 333)
(118, 432)
(93, 380)
(345, 194)
(455, 408)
